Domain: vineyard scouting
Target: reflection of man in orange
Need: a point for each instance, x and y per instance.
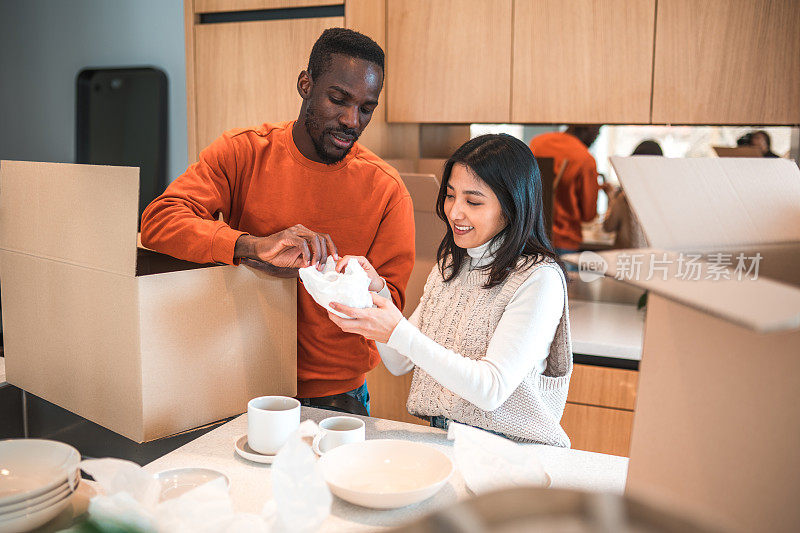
(575, 198)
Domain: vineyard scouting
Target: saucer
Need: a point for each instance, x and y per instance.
(246, 452)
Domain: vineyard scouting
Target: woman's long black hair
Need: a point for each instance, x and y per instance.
(508, 167)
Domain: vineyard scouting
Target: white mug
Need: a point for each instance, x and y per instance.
(338, 430)
(270, 422)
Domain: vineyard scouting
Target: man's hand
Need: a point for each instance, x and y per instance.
(294, 247)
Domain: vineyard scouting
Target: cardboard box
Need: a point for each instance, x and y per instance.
(428, 233)
(717, 423)
(138, 342)
(433, 166)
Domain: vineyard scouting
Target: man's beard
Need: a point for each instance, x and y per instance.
(311, 123)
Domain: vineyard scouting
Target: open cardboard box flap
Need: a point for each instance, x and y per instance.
(428, 233)
(71, 213)
(694, 203)
(151, 345)
(709, 206)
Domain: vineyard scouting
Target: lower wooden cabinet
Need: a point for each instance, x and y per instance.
(598, 429)
(599, 412)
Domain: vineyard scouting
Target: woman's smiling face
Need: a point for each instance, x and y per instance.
(473, 210)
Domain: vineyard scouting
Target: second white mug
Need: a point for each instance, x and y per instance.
(338, 430)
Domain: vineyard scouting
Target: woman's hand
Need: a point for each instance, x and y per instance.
(376, 282)
(376, 323)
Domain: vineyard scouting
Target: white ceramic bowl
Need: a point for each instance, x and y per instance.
(33, 467)
(385, 474)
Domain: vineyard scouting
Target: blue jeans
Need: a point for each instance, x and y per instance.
(360, 394)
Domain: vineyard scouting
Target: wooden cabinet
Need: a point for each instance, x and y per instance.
(449, 60)
(585, 61)
(598, 429)
(727, 62)
(241, 74)
(594, 61)
(386, 140)
(214, 6)
(543, 61)
(246, 72)
(599, 412)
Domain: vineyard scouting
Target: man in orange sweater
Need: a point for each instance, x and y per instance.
(292, 193)
(575, 198)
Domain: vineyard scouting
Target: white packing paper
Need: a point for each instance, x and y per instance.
(350, 287)
(490, 462)
(129, 496)
(302, 500)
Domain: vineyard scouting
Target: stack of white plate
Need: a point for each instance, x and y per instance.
(37, 480)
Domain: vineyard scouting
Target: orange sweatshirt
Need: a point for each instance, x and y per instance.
(261, 184)
(575, 198)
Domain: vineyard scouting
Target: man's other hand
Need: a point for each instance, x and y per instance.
(294, 247)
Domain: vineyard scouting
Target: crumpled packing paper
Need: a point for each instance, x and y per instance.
(350, 287)
(490, 462)
(130, 496)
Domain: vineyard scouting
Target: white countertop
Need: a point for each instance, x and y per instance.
(606, 329)
(251, 485)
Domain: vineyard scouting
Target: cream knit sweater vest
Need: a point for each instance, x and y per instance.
(461, 315)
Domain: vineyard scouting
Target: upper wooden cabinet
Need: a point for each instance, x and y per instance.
(727, 62)
(245, 73)
(215, 6)
(448, 60)
(582, 61)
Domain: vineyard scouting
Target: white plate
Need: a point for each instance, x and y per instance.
(36, 500)
(246, 452)
(179, 481)
(33, 467)
(385, 474)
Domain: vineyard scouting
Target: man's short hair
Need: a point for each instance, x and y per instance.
(342, 41)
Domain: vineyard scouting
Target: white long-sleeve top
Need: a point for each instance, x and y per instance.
(521, 342)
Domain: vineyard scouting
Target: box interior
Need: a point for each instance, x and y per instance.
(703, 203)
(149, 263)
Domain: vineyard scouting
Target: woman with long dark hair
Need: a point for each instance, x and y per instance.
(489, 342)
